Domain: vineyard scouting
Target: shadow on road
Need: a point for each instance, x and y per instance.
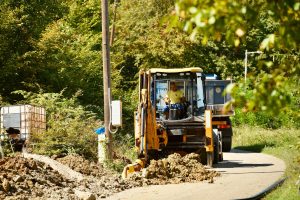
(255, 147)
(259, 172)
(237, 164)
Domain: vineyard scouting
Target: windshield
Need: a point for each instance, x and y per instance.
(182, 93)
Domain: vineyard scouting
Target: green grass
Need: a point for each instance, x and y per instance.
(282, 143)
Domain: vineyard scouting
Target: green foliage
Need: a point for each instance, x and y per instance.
(140, 43)
(286, 116)
(68, 54)
(116, 165)
(255, 113)
(140, 38)
(21, 23)
(70, 129)
(143, 41)
(123, 152)
(265, 119)
(6, 147)
(237, 23)
(123, 146)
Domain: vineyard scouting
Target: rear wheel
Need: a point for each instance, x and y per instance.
(226, 143)
(227, 137)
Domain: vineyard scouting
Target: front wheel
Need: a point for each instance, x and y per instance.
(217, 146)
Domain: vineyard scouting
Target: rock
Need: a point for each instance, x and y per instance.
(145, 173)
(46, 166)
(84, 195)
(5, 185)
(102, 184)
(64, 184)
(26, 171)
(54, 157)
(39, 193)
(30, 183)
(68, 190)
(18, 178)
(32, 164)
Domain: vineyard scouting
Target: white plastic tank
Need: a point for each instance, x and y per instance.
(26, 118)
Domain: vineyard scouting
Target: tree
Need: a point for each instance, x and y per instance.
(233, 22)
(21, 23)
(68, 54)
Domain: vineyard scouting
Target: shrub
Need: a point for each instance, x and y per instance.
(265, 119)
(70, 128)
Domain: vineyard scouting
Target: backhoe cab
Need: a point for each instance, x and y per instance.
(163, 126)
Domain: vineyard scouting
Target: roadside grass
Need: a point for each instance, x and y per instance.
(123, 152)
(282, 143)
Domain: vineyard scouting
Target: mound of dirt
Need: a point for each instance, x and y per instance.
(176, 169)
(83, 166)
(22, 178)
(100, 181)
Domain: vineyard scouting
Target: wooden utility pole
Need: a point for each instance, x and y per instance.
(112, 34)
(106, 77)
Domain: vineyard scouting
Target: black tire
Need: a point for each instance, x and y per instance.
(216, 148)
(227, 137)
(226, 144)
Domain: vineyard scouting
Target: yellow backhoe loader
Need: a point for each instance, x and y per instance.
(173, 116)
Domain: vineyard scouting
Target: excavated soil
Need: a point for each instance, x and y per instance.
(22, 178)
(175, 169)
(83, 166)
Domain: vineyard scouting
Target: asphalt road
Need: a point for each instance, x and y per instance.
(243, 174)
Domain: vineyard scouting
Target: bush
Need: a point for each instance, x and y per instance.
(286, 116)
(70, 128)
(265, 119)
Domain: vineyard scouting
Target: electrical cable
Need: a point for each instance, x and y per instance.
(110, 118)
